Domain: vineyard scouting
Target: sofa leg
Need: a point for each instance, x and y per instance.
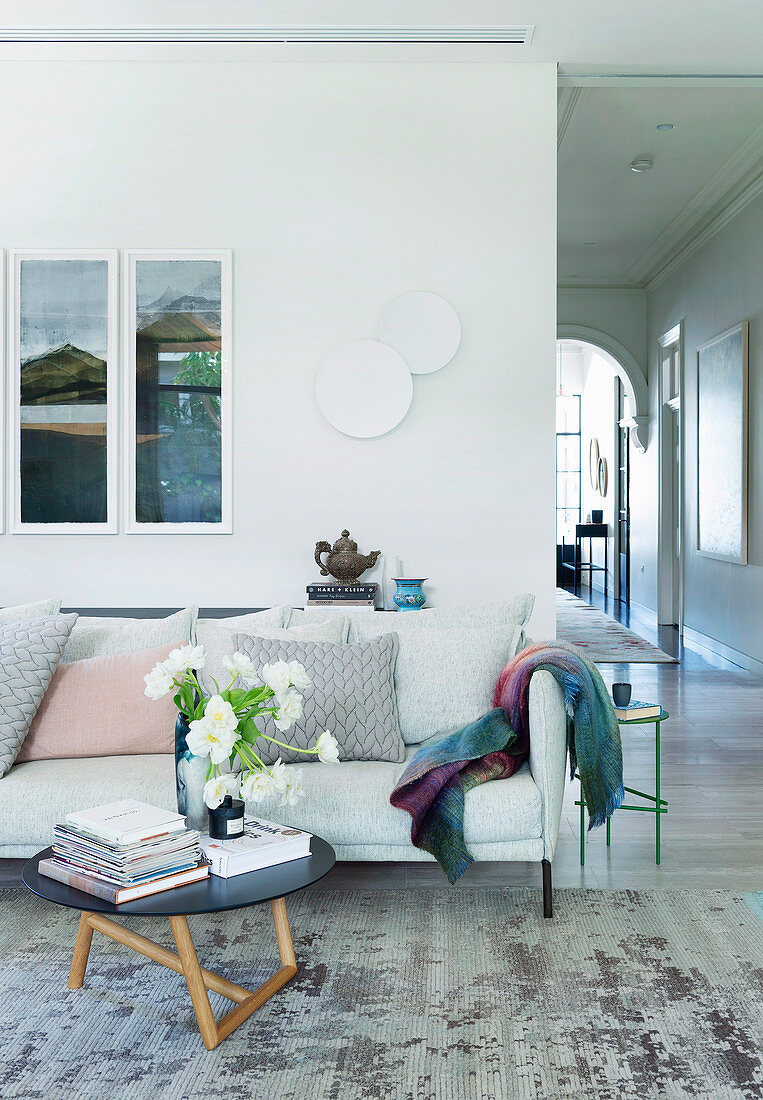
(548, 907)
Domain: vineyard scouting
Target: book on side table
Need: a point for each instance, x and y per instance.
(123, 851)
(636, 709)
(263, 844)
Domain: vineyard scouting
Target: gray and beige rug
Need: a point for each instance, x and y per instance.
(602, 639)
(455, 994)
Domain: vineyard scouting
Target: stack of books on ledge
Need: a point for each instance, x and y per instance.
(341, 595)
(123, 851)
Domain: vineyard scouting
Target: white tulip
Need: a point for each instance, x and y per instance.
(279, 777)
(327, 748)
(298, 677)
(294, 790)
(289, 710)
(220, 714)
(185, 657)
(204, 738)
(255, 786)
(216, 788)
(158, 683)
(241, 665)
(277, 677)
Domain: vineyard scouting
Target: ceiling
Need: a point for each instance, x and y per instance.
(636, 223)
(631, 35)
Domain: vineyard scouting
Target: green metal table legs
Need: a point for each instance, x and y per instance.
(659, 807)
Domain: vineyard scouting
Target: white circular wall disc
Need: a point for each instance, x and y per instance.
(424, 328)
(364, 388)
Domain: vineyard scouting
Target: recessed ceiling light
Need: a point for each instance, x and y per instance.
(641, 164)
(589, 244)
(666, 126)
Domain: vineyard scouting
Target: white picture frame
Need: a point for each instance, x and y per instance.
(722, 445)
(110, 419)
(131, 258)
(3, 389)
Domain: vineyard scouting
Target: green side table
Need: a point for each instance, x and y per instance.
(658, 805)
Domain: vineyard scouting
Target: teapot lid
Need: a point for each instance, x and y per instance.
(345, 542)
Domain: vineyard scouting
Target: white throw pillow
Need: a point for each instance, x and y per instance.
(25, 612)
(218, 641)
(100, 636)
(302, 616)
(446, 678)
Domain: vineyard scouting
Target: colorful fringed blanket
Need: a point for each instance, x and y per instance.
(433, 786)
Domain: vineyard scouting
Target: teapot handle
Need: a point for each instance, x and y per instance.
(322, 548)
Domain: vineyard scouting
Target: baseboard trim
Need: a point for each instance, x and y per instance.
(695, 638)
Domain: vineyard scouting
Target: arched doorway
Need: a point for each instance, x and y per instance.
(601, 414)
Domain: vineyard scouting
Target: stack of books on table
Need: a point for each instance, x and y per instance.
(636, 709)
(341, 595)
(123, 851)
(263, 844)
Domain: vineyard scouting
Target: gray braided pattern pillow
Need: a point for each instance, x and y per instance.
(352, 695)
(29, 654)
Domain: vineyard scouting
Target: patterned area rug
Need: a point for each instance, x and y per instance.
(456, 994)
(602, 639)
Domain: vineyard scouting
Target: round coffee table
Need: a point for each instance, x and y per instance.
(211, 895)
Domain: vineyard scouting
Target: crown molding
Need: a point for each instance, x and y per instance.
(748, 194)
(710, 202)
(570, 77)
(567, 102)
(602, 287)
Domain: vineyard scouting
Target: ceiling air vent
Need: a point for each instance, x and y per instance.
(504, 36)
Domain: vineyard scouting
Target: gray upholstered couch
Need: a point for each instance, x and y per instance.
(348, 804)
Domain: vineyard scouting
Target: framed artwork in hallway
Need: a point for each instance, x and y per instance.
(177, 409)
(722, 367)
(63, 391)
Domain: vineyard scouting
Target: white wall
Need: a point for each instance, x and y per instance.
(338, 186)
(721, 285)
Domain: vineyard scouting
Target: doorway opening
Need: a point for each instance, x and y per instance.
(670, 529)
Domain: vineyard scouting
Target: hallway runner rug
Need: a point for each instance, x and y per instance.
(452, 994)
(602, 639)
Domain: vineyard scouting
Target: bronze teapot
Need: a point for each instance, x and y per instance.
(344, 563)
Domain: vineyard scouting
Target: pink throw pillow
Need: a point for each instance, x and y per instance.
(97, 707)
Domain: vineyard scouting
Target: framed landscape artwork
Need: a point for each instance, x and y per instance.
(722, 446)
(63, 391)
(177, 391)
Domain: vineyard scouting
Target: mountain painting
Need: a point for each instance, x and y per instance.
(63, 340)
(178, 391)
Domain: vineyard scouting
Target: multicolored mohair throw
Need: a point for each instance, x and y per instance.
(433, 786)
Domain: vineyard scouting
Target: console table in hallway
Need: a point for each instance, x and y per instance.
(588, 531)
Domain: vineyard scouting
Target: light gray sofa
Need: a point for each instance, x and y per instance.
(516, 819)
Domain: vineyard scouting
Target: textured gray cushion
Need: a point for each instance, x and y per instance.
(29, 611)
(352, 695)
(29, 654)
(94, 636)
(219, 641)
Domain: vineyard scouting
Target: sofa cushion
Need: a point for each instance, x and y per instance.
(29, 654)
(347, 804)
(218, 639)
(39, 794)
(96, 636)
(28, 611)
(352, 694)
(97, 707)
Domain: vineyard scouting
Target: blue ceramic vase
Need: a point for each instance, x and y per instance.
(190, 777)
(409, 595)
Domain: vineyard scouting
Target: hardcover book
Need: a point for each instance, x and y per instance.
(342, 591)
(264, 844)
(99, 887)
(126, 822)
(637, 709)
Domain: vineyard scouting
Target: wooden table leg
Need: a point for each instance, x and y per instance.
(81, 952)
(186, 962)
(195, 982)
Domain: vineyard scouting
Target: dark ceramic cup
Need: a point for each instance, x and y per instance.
(621, 693)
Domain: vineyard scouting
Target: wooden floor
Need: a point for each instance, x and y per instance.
(712, 777)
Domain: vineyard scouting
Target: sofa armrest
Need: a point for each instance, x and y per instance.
(548, 752)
